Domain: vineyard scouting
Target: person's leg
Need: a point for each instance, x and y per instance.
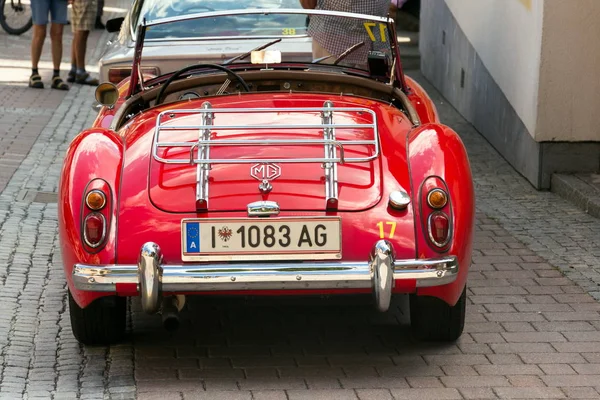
(37, 44)
(84, 15)
(58, 10)
(73, 71)
(56, 34)
(39, 15)
(99, 24)
(81, 37)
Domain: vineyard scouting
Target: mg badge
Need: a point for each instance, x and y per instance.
(265, 173)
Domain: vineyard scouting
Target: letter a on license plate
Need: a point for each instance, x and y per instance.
(193, 237)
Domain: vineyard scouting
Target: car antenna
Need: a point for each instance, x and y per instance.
(242, 56)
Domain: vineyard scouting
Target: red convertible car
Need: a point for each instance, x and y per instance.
(258, 176)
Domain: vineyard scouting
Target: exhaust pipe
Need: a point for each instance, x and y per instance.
(170, 313)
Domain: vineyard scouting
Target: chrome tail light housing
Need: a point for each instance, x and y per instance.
(436, 213)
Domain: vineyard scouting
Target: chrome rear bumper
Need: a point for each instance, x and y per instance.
(152, 277)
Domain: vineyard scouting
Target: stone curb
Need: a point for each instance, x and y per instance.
(579, 192)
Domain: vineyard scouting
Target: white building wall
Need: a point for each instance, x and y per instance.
(507, 35)
(569, 94)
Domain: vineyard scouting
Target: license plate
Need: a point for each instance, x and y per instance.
(223, 239)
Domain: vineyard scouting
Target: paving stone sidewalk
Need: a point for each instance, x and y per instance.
(532, 330)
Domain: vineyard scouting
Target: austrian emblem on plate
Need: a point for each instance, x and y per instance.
(225, 234)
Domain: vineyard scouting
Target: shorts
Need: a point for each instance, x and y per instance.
(56, 8)
(84, 15)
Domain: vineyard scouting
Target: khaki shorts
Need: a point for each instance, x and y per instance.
(84, 15)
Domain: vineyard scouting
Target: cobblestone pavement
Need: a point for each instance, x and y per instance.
(532, 330)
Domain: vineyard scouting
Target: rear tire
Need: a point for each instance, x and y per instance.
(433, 319)
(101, 322)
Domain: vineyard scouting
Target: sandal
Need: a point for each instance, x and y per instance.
(58, 83)
(35, 81)
(71, 77)
(86, 79)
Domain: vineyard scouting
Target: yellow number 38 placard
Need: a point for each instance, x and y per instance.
(369, 28)
(289, 31)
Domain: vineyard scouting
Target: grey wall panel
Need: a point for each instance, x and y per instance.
(446, 57)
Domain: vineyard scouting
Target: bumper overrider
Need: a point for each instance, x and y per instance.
(152, 277)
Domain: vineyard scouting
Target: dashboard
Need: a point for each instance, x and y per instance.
(272, 81)
(283, 85)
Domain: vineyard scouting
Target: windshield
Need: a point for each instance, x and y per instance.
(158, 9)
(333, 38)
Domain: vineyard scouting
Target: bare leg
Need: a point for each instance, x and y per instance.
(37, 43)
(80, 46)
(73, 47)
(56, 33)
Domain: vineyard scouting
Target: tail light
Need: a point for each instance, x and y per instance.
(437, 199)
(436, 213)
(95, 200)
(96, 216)
(439, 228)
(94, 229)
(116, 75)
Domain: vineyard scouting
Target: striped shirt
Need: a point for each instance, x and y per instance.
(336, 34)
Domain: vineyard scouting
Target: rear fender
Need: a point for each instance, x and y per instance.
(93, 161)
(436, 152)
(422, 102)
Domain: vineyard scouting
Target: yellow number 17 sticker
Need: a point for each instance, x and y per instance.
(382, 233)
(369, 27)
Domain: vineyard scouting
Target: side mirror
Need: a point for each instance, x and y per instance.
(107, 94)
(114, 25)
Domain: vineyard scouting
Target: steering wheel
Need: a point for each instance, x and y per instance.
(233, 75)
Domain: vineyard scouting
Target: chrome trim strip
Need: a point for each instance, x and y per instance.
(225, 13)
(214, 38)
(104, 278)
(331, 173)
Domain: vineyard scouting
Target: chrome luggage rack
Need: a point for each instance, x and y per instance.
(334, 152)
